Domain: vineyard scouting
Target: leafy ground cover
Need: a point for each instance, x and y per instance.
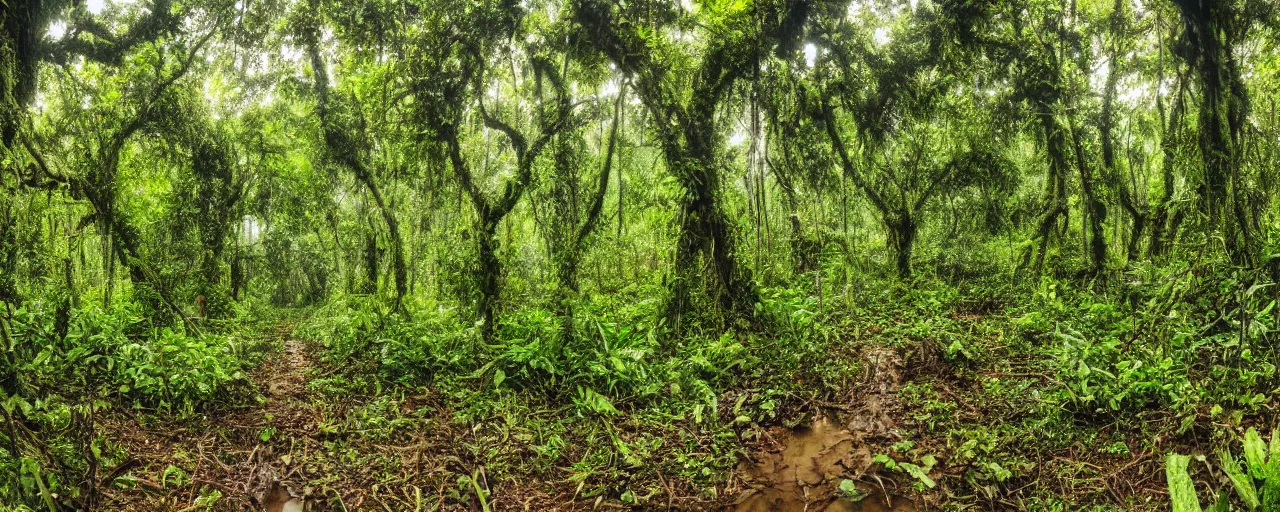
(926, 395)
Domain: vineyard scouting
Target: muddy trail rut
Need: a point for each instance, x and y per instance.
(803, 469)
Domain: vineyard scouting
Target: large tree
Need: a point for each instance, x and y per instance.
(683, 95)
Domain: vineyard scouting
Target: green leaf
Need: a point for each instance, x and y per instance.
(1182, 491)
(1270, 498)
(1243, 484)
(498, 377)
(1255, 454)
(886, 460)
(1222, 505)
(918, 473)
(1273, 462)
(850, 490)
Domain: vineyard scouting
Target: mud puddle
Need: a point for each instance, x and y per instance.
(279, 499)
(805, 475)
(801, 470)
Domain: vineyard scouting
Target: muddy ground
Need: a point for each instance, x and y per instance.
(295, 450)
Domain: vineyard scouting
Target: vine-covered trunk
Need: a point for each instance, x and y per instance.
(1164, 227)
(567, 275)
(489, 276)
(1224, 102)
(371, 258)
(705, 232)
(346, 150)
(903, 230)
(1095, 209)
(19, 63)
(1138, 214)
(398, 267)
(1055, 189)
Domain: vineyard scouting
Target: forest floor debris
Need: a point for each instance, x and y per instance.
(302, 444)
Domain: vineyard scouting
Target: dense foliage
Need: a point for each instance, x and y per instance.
(617, 243)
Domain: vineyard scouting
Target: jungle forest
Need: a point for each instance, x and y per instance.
(738, 255)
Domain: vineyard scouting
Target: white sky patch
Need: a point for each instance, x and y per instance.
(291, 53)
(268, 98)
(1098, 79)
(1139, 8)
(95, 7)
(679, 36)
(882, 36)
(252, 230)
(1133, 95)
(855, 8)
(207, 91)
(57, 30)
(810, 54)
(610, 88)
(85, 102)
(737, 138)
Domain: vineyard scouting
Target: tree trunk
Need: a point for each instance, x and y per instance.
(705, 232)
(1095, 209)
(489, 274)
(1224, 103)
(1055, 191)
(1162, 226)
(345, 149)
(1137, 213)
(397, 243)
(371, 258)
(903, 230)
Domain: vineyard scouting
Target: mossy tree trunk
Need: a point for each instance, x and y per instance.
(489, 213)
(344, 149)
(1212, 30)
(687, 134)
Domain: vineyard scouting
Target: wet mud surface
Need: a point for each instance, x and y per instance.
(802, 469)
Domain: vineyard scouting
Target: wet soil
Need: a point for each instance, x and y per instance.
(801, 469)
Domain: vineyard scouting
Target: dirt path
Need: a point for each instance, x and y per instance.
(293, 365)
(227, 459)
(300, 446)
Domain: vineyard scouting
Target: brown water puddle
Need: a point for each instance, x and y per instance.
(278, 499)
(805, 475)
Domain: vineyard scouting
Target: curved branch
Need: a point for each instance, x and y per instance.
(828, 114)
(106, 47)
(602, 180)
